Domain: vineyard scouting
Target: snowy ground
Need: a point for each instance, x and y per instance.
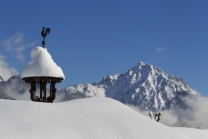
(89, 118)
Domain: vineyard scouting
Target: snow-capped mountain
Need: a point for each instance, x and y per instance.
(13, 86)
(2, 93)
(144, 85)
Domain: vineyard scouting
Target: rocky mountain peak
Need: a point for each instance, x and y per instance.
(144, 85)
(141, 63)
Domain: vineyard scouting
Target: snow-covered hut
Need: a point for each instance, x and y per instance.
(42, 70)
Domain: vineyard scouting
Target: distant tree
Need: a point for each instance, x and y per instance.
(151, 115)
(199, 126)
(181, 123)
(155, 116)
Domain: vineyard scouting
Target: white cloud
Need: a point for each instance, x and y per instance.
(5, 71)
(160, 49)
(197, 115)
(16, 45)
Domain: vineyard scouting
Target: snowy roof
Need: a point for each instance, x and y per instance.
(42, 65)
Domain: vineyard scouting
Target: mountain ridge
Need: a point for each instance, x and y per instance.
(144, 85)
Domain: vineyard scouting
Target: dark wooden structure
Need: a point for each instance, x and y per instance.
(42, 82)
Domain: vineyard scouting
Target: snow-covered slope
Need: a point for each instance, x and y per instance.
(144, 85)
(89, 118)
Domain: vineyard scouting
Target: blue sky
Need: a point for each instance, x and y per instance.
(92, 39)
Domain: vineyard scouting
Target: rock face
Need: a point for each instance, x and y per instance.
(1, 79)
(144, 85)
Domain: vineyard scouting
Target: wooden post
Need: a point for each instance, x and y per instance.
(33, 96)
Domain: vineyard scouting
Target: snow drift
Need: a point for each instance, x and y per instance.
(89, 118)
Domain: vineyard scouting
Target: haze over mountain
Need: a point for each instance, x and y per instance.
(14, 88)
(5, 96)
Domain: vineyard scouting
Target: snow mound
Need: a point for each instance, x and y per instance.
(42, 65)
(89, 118)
